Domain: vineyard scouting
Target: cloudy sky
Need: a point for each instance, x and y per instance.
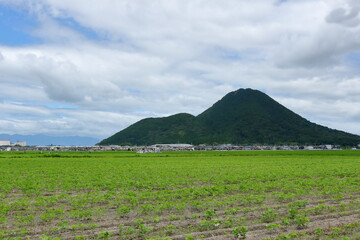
(92, 68)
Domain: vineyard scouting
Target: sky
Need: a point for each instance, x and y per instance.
(92, 68)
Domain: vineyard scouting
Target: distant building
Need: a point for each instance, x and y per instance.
(328, 147)
(309, 148)
(149, 150)
(4, 142)
(21, 144)
(175, 145)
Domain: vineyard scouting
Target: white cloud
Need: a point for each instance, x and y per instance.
(155, 58)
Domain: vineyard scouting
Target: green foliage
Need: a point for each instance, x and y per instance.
(156, 219)
(318, 232)
(52, 214)
(189, 237)
(301, 222)
(170, 229)
(269, 215)
(292, 213)
(240, 232)
(45, 237)
(209, 224)
(80, 237)
(286, 221)
(209, 214)
(292, 235)
(273, 226)
(319, 209)
(174, 193)
(143, 230)
(298, 204)
(103, 235)
(232, 211)
(123, 211)
(244, 116)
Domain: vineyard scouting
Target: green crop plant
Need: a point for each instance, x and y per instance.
(156, 219)
(52, 214)
(80, 237)
(189, 237)
(293, 235)
(104, 235)
(273, 226)
(343, 206)
(63, 225)
(24, 219)
(123, 211)
(174, 217)
(130, 230)
(318, 233)
(209, 214)
(336, 232)
(209, 224)
(143, 230)
(240, 232)
(64, 195)
(82, 214)
(286, 221)
(301, 222)
(45, 237)
(292, 213)
(229, 222)
(147, 209)
(158, 238)
(195, 216)
(232, 211)
(298, 204)
(75, 227)
(139, 221)
(269, 215)
(319, 209)
(170, 229)
(3, 220)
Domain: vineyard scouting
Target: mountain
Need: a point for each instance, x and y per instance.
(42, 140)
(245, 116)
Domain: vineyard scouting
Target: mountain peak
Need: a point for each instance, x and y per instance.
(244, 116)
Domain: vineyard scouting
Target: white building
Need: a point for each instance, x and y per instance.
(4, 142)
(22, 144)
(328, 147)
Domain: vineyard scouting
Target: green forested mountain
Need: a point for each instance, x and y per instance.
(244, 116)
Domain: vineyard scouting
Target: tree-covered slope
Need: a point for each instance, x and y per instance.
(244, 116)
(249, 116)
(177, 128)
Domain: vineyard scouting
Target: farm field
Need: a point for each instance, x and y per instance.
(180, 195)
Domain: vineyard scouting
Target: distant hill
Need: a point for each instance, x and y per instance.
(245, 116)
(43, 140)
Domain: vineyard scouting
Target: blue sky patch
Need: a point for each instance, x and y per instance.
(248, 55)
(41, 104)
(353, 60)
(59, 106)
(133, 90)
(74, 25)
(16, 27)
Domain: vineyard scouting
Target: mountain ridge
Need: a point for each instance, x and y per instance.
(244, 116)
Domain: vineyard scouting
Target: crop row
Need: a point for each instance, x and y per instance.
(123, 195)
